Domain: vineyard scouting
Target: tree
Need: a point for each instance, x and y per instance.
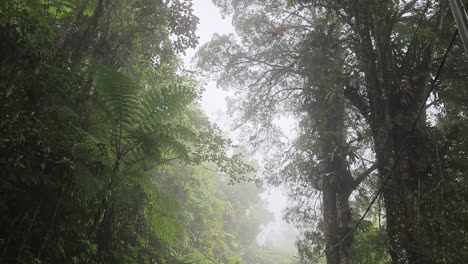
(373, 49)
(90, 112)
(294, 74)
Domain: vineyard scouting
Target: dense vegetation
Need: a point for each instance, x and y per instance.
(106, 157)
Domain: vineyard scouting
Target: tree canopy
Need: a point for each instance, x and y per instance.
(107, 157)
(367, 82)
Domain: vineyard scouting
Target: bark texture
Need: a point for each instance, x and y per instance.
(395, 95)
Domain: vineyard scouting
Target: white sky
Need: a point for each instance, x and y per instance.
(213, 101)
(214, 105)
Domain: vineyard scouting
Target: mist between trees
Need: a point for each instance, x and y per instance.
(106, 157)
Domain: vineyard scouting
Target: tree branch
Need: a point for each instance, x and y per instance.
(357, 181)
(405, 9)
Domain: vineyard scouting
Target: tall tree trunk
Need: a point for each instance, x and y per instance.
(330, 219)
(87, 39)
(392, 112)
(71, 24)
(338, 181)
(344, 217)
(65, 34)
(328, 93)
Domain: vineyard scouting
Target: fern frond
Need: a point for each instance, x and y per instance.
(146, 123)
(118, 94)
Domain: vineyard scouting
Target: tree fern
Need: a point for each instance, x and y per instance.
(143, 120)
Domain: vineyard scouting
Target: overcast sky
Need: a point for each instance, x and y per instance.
(214, 105)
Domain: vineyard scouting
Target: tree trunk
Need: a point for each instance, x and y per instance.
(330, 219)
(338, 182)
(105, 235)
(105, 231)
(87, 39)
(71, 24)
(63, 37)
(344, 217)
(393, 110)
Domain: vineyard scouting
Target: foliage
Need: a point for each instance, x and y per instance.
(105, 156)
(103, 148)
(358, 78)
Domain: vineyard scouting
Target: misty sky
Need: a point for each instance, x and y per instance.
(214, 105)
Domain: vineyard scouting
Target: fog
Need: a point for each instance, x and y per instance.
(278, 232)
